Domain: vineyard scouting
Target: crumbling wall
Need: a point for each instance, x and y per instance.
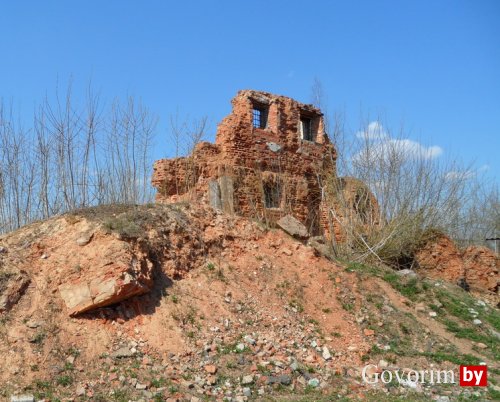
(263, 171)
(482, 268)
(440, 258)
(476, 266)
(180, 178)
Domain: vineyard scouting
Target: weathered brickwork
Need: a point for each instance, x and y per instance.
(269, 159)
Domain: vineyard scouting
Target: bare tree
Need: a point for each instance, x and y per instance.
(416, 193)
(319, 99)
(76, 154)
(186, 133)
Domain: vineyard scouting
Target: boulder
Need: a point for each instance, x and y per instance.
(129, 274)
(318, 243)
(406, 272)
(293, 227)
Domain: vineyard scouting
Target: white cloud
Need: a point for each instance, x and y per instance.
(374, 131)
(457, 175)
(465, 174)
(380, 147)
(483, 168)
(397, 149)
(413, 149)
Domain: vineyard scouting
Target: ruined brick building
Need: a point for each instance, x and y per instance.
(271, 158)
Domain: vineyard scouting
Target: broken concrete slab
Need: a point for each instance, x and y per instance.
(293, 227)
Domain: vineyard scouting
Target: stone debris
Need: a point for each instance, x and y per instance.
(319, 244)
(383, 364)
(248, 339)
(33, 324)
(80, 390)
(281, 379)
(247, 380)
(22, 398)
(285, 329)
(406, 272)
(123, 352)
(293, 227)
(84, 239)
(211, 369)
(326, 353)
(313, 382)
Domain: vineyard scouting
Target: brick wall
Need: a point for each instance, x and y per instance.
(245, 161)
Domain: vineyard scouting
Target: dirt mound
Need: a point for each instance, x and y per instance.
(173, 301)
(205, 277)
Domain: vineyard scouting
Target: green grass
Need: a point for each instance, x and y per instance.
(297, 305)
(44, 390)
(39, 338)
(453, 307)
(459, 303)
(158, 382)
(461, 331)
(121, 395)
(224, 349)
(362, 268)
(457, 318)
(460, 359)
(263, 370)
(494, 395)
(411, 288)
(64, 380)
(316, 395)
(475, 335)
(402, 347)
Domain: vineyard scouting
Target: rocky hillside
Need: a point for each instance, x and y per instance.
(173, 302)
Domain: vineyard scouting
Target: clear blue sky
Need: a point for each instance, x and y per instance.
(432, 65)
